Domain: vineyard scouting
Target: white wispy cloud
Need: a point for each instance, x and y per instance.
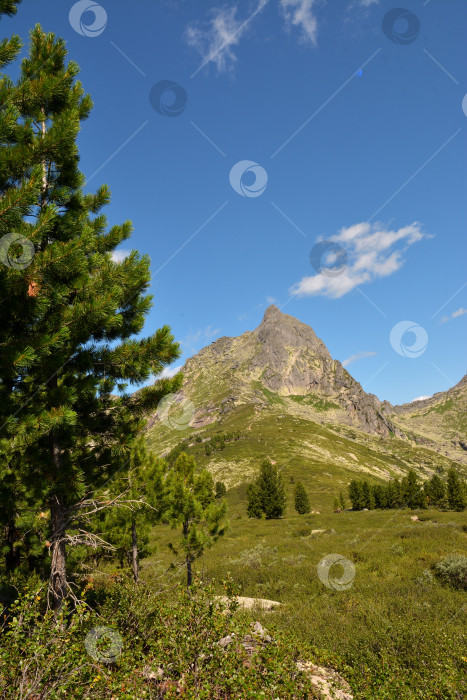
(299, 14)
(169, 372)
(420, 398)
(216, 39)
(119, 256)
(455, 314)
(358, 356)
(372, 253)
(193, 341)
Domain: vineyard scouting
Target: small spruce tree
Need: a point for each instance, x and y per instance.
(220, 489)
(301, 501)
(190, 502)
(456, 491)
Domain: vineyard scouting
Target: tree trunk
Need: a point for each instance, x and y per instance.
(58, 582)
(188, 559)
(134, 552)
(189, 574)
(12, 557)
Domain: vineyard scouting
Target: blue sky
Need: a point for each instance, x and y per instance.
(351, 122)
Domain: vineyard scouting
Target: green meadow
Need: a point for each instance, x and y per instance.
(395, 632)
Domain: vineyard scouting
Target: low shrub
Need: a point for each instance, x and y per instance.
(453, 570)
(136, 644)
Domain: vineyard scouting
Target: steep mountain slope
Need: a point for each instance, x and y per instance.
(440, 421)
(279, 386)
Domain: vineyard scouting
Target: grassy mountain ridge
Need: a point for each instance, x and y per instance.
(279, 386)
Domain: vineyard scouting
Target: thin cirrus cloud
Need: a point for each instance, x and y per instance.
(194, 340)
(358, 356)
(216, 39)
(373, 252)
(298, 14)
(455, 314)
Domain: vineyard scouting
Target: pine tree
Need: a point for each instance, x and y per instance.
(412, 492)
(65, 335)
(301, 501)
(368, 496)
(271, 490)
(342, 502)
(356, 495)
(190, 504)
(435, 491)
(220, 489)
(126, 526)
(254, 505)
(456, 491)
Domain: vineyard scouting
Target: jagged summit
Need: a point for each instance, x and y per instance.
(281, 368)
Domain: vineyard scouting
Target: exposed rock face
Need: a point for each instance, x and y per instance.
(283, 369)
(288, 359)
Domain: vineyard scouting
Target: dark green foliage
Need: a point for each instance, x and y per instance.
(301, 500)
(435, 491)
(221, 489)
(254, 503)
(189, 501)
(342, 501)
(139, 502)
(410, 493)
(356, 494)
(267, 494)
(66, 342)
(456, 490)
